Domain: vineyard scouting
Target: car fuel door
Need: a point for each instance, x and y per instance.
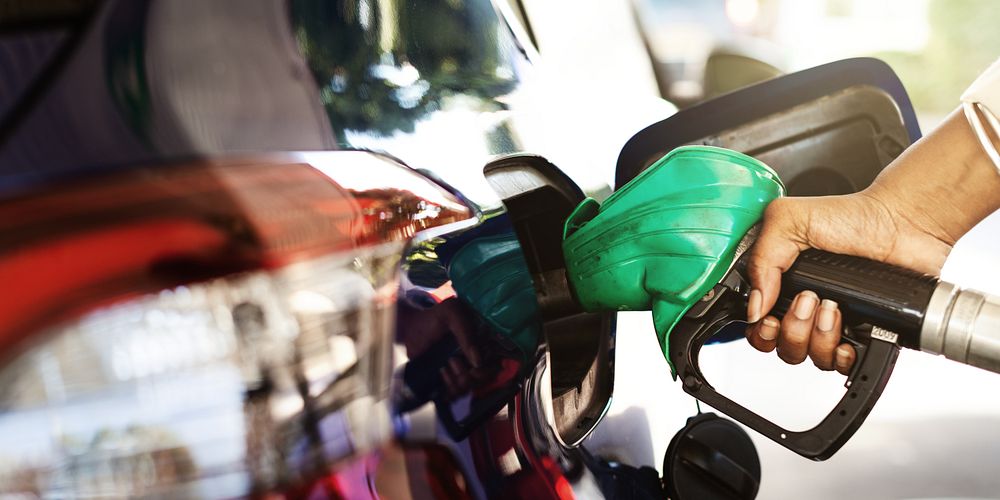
(825, 130)
(575, 376)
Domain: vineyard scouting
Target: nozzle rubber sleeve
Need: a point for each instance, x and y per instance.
(866, 291)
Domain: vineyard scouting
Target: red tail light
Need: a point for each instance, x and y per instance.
(69, 248)
(208, 329)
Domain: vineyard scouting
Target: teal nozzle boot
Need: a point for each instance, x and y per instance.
(491, 275)
(663, 240)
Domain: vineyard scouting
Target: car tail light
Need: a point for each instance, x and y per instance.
(209, 329)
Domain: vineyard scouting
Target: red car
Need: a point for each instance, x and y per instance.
(250, 249)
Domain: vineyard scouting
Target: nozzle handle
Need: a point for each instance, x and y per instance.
(887, 296)
(883, 307)
(865, 383)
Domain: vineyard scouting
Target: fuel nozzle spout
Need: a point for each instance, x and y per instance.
(964, 326)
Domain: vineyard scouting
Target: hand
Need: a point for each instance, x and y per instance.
(860, 224)
(910, 216)
(421, 329)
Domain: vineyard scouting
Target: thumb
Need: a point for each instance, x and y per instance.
(772, 254)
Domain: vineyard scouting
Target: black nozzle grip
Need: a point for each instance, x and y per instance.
(865, 384)
(866, 291)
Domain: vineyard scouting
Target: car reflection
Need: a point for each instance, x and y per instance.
(468, 320)
(381, 66)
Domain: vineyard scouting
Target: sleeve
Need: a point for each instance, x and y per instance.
(986, 89)
(981, 103)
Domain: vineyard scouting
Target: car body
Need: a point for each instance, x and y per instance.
(245, 291)
(310, 249)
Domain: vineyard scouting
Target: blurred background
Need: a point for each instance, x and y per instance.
(936, 46)
(936, 431)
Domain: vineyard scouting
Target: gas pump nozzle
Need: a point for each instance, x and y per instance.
(674, 241)
(964, 326)
(916, 311)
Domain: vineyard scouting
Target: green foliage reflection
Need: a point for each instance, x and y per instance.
(382, 65)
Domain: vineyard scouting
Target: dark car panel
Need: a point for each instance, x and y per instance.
(151, 84)
(156, 80)
(438, 351)
(853, 112)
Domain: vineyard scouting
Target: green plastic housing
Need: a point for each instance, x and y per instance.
(491, 275)
(663, 240)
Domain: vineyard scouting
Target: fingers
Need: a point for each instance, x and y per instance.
(453, 314)
(460, 377)
(764, 268)
(825, 335)
(763, 335)
(844, 358)
(811, 328)
(796, 328)
(454, 376)
(773, 253)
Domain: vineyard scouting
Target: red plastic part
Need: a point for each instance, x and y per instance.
(74, 247)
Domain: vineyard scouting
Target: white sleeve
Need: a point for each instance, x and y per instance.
(981, 103)
(986, 89)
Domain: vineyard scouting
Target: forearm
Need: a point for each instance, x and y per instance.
(945, 183)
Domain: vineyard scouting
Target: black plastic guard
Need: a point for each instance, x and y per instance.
(872, 368)
(869, 125)
(539, 198)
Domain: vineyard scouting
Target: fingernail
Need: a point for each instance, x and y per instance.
(753, 306)
(843, 357)
(769, 330)
(805, 305)
(827, 314)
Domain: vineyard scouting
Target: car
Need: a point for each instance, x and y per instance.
(311, 249)
(225, 282)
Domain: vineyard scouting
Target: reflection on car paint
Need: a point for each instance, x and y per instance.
(200, 391)
(237, 379)
(384, 65)
(468, 320)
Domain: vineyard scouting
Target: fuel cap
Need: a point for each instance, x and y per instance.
(709, 458)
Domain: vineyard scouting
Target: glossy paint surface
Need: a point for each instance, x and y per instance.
(393, 357)
(216, 329)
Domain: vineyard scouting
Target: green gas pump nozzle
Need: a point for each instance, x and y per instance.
(673, 241)
(666, 238)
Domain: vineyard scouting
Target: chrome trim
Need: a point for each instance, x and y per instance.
(936, 318)
(538, 390)
(964, 326)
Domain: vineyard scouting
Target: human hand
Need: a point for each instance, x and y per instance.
(865, 224)
(911, 216)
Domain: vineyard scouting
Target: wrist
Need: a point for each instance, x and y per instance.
(944, 184)
(978, 177)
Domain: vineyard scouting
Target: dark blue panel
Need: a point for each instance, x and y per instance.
(758, 101)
